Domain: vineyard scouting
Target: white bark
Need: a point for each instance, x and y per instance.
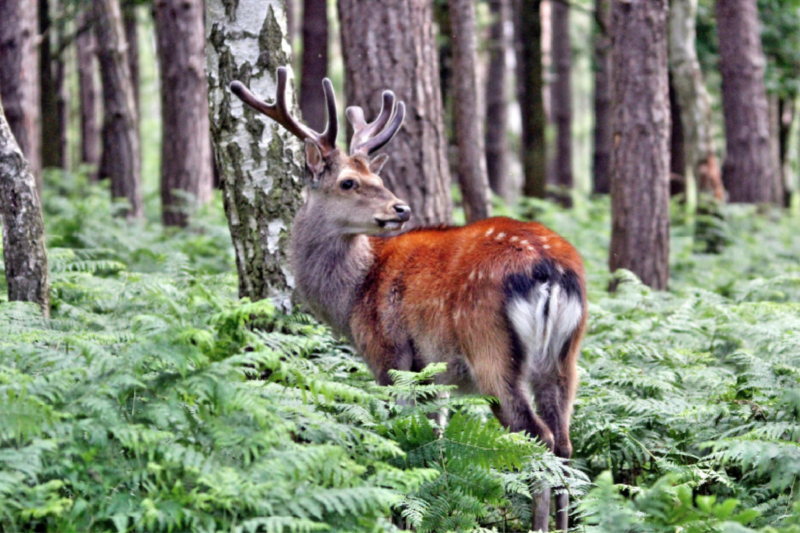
(259, 163)
(692, 96)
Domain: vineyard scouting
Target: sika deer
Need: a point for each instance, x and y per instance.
(502, 302)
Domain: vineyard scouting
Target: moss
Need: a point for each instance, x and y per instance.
(270, 42)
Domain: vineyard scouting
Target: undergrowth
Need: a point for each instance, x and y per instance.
(155, 400)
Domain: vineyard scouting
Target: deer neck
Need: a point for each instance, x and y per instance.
(329, 268)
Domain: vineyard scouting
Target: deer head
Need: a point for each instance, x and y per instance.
(344, 189)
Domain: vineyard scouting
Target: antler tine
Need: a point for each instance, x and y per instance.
(279, 112)
(328, 137)
(377, 142)
(362, 131)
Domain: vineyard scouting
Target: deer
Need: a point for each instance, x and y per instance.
(502, 302)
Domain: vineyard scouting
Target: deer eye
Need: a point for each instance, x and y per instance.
(346, 185)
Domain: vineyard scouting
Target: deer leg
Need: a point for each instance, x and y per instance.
(554, 403)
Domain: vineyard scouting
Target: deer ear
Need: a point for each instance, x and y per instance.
(377, 163)
(314, 160)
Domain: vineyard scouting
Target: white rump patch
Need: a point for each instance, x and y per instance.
(542, 339)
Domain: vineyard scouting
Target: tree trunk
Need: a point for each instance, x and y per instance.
(786, 111)
(640, 158)
(677, 155)
(185, 146)
(391, 45)
(259, 162)
(48, 92)
(530, 83)
(121, 156)
(130, 24)
(692, 97)
(23, 228)
(19, 78)
(315, 62)
(748, 170)
(601, 166)
(561, 100)
(774, 114)
(471, 166)
(89, 94)
(496, 105)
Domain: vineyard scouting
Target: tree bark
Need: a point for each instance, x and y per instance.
(391, 45)
(677, 155)
(471, 166)
(24, 251)
(48, 92)
(185, 146)
(601, 163)
(89, 94)
(496, 143)
(561, 100)
(640, 158)
(19, 78)
(774, 114)
(530, 84)
(260, 163)
(121, 155)
(786, 112)
(131, 25)
(690, 91)
(748, 170)
(315, 62)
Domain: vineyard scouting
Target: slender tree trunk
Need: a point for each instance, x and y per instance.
(259, 163)
(496, 105)
(131, 25)
(471, 166)
(185, 148)
(692, 97)
(786, 111)
(561, 100)
(121, 156)
(677, 155)
(89, 94)
(315, 62)
(24, 251)
(748, 170)
(530, 84)
(19, 78)
(601, 165)
(48, 92)
(391, 45)
(640, 160)
(774, 114)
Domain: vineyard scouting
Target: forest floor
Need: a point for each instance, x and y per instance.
(155, 400)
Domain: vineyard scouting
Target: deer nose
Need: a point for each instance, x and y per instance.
(403, 212)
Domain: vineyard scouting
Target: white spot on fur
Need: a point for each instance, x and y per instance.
(491, 230)
(514, 239)
(472, 275)
(524, 242)
(500, 235)
(546, 246)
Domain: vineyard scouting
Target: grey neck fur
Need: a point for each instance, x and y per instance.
(329, 267)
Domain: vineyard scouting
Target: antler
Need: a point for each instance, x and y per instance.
(280, 113)
(370, 137)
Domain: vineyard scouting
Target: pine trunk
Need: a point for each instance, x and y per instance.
(690, 91)
(640, 158)
(774, 113)
(786, 112)
(315, 63)
(530, 85)
(24, 251)
(677, 155)
(391, 45)
(601, 164)
(496, 144)
(131, 25)
(260, 164)
(748, 170)
(185, 147)
(19, 78)
(89, 93)
(471, 166)
(561, 100)
(48, 90)
(121, 155)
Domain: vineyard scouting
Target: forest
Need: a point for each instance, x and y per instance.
(182, 349)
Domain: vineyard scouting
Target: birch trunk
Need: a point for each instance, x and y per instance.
(260, 164)
(24, 251)
(690, 90)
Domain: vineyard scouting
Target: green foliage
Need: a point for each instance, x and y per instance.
(155, 400)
